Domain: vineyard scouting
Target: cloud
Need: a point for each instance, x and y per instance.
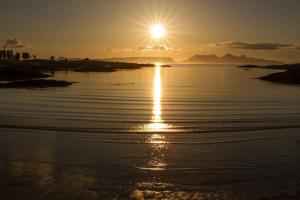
(158, 48)
(146, 48)
(14, 43)
(256, 46)
(118, 50)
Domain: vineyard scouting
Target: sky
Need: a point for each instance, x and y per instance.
(267, 29)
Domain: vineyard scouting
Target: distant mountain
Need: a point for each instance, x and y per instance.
(143, 60)
(229, 59)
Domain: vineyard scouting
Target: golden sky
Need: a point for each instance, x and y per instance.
(120, 28)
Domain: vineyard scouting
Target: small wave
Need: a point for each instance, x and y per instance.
(122, 130)
(181, 143)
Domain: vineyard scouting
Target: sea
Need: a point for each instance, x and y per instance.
(179, 132)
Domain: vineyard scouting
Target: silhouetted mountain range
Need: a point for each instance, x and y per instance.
(228, 59)
(165, 60)
(198, 59)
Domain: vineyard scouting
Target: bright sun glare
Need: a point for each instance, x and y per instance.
(157, 31)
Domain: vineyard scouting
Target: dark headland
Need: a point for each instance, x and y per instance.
(291, 75)
(32, 73)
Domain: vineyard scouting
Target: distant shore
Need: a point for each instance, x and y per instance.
(32, 73)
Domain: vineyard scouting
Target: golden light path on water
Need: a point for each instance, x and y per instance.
(157, 123)
(157, 127)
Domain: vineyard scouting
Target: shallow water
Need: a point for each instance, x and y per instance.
(185, 132)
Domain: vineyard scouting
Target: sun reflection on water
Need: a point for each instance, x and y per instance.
(157, 140)
(159, 146)
(157, 124)
(157, 96)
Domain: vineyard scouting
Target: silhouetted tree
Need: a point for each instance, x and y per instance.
(4, 55)
(25, 56)
(34, 56)
(1, 55)
(52, 58)
(17, 56)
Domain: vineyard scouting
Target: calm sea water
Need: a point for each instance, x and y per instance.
(184, 132)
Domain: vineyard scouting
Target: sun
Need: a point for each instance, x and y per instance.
(157, 31)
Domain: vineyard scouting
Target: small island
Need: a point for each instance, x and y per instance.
(291, 75)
